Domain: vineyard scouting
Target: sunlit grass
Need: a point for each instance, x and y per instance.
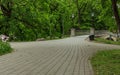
(101, 40)
(106, 62)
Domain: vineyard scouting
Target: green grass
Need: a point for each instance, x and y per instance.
(107, 41)
(106, 62)
(5, 48)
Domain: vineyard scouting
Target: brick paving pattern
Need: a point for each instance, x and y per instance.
(68, 56)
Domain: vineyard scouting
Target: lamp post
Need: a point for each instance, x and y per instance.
(72, 15)
(72, 29)
(92, 19)
(92, 30)
(73, 20)
(92, 15)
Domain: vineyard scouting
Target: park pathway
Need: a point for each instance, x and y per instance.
(69, 56)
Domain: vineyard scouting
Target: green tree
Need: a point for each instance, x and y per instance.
(116, 13)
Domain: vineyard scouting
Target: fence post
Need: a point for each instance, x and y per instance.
(92, 34)
(92, 31)
(72, 32)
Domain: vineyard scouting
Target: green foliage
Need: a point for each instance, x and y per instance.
(5, 48)
(106, 62)
(28, 20)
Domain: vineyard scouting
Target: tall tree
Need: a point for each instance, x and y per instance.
(116, 13)
(6, 8)
(81, 6)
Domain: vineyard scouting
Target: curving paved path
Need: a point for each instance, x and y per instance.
(68, 56)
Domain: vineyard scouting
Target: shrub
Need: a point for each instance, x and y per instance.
(5, 48)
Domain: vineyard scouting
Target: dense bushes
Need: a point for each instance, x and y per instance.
(28, 20)
(5, 48)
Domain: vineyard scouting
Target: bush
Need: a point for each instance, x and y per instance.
(5, 48)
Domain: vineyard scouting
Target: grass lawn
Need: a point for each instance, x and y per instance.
(107, 41)
(106, 62)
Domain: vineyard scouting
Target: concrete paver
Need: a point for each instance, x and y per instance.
(68, 56)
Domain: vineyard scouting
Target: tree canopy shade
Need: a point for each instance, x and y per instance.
(32, 19)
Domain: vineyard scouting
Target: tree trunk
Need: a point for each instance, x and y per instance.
(61, 30)
(61, 26)
(6, 9)
(79, 11)
(79, 16)
(116, 13)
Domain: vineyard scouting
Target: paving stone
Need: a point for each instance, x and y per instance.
(69, 56)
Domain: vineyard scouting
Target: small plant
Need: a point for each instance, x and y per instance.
(5, 48)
